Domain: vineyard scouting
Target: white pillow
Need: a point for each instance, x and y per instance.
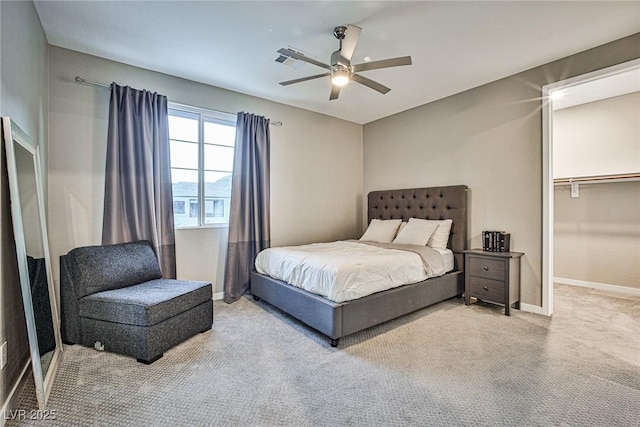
(381, 231)
(403, 224)
(440, 237)
(416, 232)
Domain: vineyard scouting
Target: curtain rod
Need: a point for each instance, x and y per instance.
(597, 178)
(84, 81)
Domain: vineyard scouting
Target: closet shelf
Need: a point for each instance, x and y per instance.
(595, 179)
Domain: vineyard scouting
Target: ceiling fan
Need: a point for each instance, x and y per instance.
(341, 70)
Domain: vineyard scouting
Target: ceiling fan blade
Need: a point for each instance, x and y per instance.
(296, 55)
(304, 79)
(370, 83)
(335, 91)
(351, 37)
(385, 63)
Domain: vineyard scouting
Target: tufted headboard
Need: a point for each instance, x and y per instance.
(426, 203)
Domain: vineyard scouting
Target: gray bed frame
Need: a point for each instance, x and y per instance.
(336, 320)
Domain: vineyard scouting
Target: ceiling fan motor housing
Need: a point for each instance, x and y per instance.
(338, 59)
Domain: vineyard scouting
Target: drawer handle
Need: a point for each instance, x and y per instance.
(486, 288)
(485, 268)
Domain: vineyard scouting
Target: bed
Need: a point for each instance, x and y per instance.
(339, 319)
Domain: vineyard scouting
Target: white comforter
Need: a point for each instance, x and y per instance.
(347, 270)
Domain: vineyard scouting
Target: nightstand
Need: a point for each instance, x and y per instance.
(492, 277)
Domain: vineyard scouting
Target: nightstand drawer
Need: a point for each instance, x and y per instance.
(491, 290)
(485, 267)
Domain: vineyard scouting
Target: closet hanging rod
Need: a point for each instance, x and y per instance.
(83, 81)
(598, 178)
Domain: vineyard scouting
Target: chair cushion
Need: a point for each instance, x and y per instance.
(147, 303)
(100, 268)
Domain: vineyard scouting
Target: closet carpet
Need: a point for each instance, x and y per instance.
(447, 365)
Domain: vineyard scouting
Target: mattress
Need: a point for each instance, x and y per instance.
(447, 258)
(347, 270)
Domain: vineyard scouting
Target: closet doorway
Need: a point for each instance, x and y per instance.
(574, 166)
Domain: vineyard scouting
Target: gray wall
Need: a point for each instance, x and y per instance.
(597, 236)
(489, 138)
(23, 97)
(316, 164)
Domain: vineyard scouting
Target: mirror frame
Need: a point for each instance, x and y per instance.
(13, 136)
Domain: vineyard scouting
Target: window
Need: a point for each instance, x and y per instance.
(178, 207)
(193, 209)
(214, 208)
(202, 144)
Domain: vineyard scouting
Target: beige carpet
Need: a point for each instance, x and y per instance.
(448, 365)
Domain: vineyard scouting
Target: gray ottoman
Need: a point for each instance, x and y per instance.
(114, 298)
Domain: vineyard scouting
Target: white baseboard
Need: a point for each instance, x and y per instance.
(531, 308)
(12, 400)
(218, 296)
(601, 286)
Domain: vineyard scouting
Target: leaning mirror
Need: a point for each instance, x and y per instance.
(32, 249)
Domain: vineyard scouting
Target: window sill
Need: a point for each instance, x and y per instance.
(199, 227)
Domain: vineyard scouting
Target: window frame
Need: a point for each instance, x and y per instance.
(204, 114)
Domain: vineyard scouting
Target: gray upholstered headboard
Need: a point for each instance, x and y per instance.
(426, 203)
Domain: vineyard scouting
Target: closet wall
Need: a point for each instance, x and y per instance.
(597, 235)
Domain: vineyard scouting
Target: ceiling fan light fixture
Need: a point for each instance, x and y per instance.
(339, 76)
(341, 71)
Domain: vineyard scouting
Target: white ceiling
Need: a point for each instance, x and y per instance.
(455, 45)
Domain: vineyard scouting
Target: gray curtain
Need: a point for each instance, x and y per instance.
(138, 201)
(249, 220)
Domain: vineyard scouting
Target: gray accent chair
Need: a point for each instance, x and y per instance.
(114, 298)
